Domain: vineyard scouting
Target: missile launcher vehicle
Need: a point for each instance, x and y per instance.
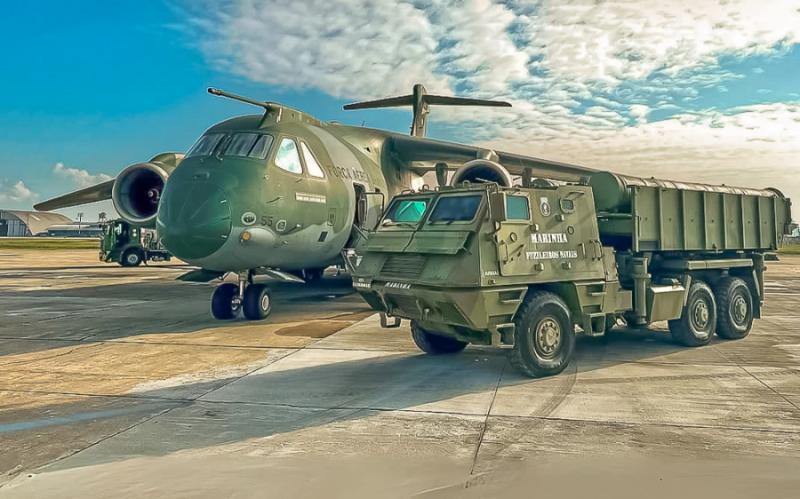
(528, 267)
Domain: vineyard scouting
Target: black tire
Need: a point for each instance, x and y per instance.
(433, 343)
(131, 257)
(544, 337)
(257, 302)
(734, 308)
(698, 319)
(224, 301)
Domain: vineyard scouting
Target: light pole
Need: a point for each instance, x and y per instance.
(80, 218)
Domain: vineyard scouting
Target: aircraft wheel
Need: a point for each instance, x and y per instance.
(257, 302)
(131, 258)
(225, 303)
(544, 339)
(434, 344)
(734, 309)
(698, 320)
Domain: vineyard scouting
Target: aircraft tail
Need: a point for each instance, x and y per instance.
(420, 100)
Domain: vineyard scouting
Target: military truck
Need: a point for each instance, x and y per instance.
(528, 267)
(130, 245)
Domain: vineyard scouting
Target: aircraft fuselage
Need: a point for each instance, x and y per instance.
(295, 216)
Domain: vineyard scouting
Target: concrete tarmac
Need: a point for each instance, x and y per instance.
(116, 382)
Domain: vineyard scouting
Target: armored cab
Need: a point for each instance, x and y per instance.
(528, 267)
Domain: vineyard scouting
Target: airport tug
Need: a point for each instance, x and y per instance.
(528, 267)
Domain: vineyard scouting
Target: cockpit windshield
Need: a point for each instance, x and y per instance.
(206, 145)
(241, 145)
(249, 145)
(407, 211)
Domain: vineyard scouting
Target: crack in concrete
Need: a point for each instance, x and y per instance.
(486, 420)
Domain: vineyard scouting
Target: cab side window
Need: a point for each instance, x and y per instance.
(517, 208)
(287, 157)
(311, 162)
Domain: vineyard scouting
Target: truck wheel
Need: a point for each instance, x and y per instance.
(433, 343)
(734, 309)
(544, 338)
(225, 301)
(257, 302)
(131, 258)
(698, 318)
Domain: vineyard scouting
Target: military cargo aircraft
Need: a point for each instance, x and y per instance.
(282, 194)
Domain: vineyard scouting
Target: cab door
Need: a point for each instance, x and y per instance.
(513, 233)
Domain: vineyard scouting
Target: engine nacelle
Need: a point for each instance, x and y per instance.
(137, 190)
(482, 171)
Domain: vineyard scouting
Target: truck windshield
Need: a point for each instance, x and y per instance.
(455, 209)
(406, 211)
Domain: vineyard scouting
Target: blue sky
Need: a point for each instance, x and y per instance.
(705, 92)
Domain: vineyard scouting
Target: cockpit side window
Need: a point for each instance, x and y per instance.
(311, 162)
(206, 145)
(287, 157)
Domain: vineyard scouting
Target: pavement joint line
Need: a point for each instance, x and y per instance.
(486, 419)
(784, 397)
(181, 402)
(759, 429)
(50, 357)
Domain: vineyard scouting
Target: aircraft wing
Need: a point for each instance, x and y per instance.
(410, 150)
(99, 192)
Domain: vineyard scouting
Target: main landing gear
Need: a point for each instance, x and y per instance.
(254, 300)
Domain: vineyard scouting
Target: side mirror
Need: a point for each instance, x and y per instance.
(497, 206)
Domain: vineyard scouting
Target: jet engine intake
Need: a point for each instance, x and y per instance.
(137, 191)
(482, 171)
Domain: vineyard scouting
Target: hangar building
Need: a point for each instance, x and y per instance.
(18, 223)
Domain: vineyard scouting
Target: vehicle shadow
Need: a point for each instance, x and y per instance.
(323, 393)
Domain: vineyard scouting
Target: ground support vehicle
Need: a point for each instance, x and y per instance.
(529, 267)
(130, 245)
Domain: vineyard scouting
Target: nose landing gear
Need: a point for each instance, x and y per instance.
(253, 299)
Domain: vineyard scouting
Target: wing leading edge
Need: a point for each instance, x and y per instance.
(417, 149)
(99, 192)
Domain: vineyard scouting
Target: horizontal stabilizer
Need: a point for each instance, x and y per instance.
(99, 192)
(419, 100)
(404, 100)
(446, 100)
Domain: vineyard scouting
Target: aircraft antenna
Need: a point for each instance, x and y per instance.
(420, 102)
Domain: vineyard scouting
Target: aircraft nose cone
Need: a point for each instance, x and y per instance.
(194, 219)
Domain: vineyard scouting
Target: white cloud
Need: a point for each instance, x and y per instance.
(80, 178)
(618, 40)
(17, 192)
(585, 77)
(363, 48)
